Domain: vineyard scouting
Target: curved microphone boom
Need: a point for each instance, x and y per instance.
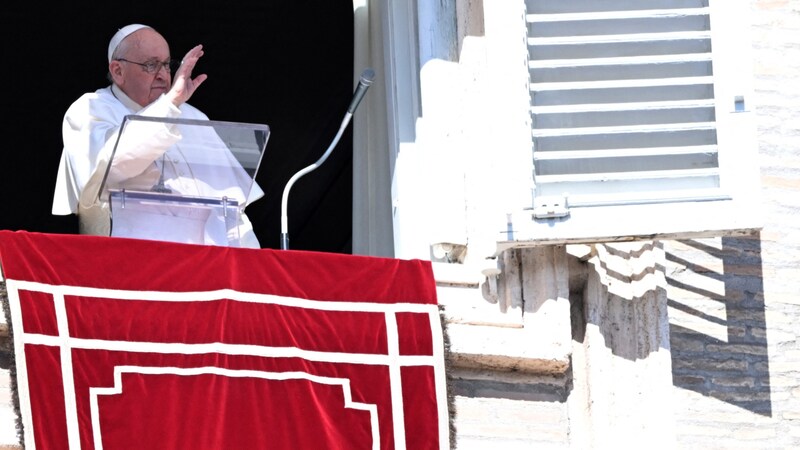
(363, 84)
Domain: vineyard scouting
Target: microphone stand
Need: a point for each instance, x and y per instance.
(160, 186)
(363, 84)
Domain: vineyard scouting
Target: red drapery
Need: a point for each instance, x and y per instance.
(133, 344)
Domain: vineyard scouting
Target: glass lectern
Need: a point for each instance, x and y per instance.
(182, 180)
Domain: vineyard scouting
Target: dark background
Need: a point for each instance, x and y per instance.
(287, 64)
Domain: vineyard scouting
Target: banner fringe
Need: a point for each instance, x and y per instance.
(9, 357)
(448, 365)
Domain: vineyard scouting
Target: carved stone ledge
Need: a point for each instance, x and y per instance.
(504, 349)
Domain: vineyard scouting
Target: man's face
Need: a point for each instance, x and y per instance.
(143, 84)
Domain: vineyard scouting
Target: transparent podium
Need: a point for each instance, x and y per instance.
(183, 180)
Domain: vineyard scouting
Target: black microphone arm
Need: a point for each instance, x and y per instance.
(363, 84)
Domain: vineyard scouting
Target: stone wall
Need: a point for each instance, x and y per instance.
(735, 302)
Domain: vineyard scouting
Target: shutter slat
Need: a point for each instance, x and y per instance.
(607, 107)
(584, 63)
(673, 83)
(648, 197)
(673, 13)
(639, 38)
(633, 129)
(573, 6)
(631, 22)
(624, 152)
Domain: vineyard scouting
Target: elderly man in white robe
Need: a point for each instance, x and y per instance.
(142, 84)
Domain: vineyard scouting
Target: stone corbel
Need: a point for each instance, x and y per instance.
(489, 288)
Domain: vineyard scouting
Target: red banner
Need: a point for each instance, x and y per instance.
(133, 344)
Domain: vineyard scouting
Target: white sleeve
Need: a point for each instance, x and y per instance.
(89, 132)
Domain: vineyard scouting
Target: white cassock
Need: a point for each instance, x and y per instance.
(90, 130)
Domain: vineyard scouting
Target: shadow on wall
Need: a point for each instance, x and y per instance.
(718, 330)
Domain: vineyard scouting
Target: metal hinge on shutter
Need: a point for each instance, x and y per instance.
(550, 207)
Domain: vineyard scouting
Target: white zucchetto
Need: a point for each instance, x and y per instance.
(122, 34)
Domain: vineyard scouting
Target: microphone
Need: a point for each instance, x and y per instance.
(363, 84)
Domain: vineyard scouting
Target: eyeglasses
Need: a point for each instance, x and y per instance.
(154, 66)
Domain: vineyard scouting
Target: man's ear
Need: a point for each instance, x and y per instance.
(115, 69)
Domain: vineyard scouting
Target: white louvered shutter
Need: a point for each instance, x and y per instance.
(638, 103)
